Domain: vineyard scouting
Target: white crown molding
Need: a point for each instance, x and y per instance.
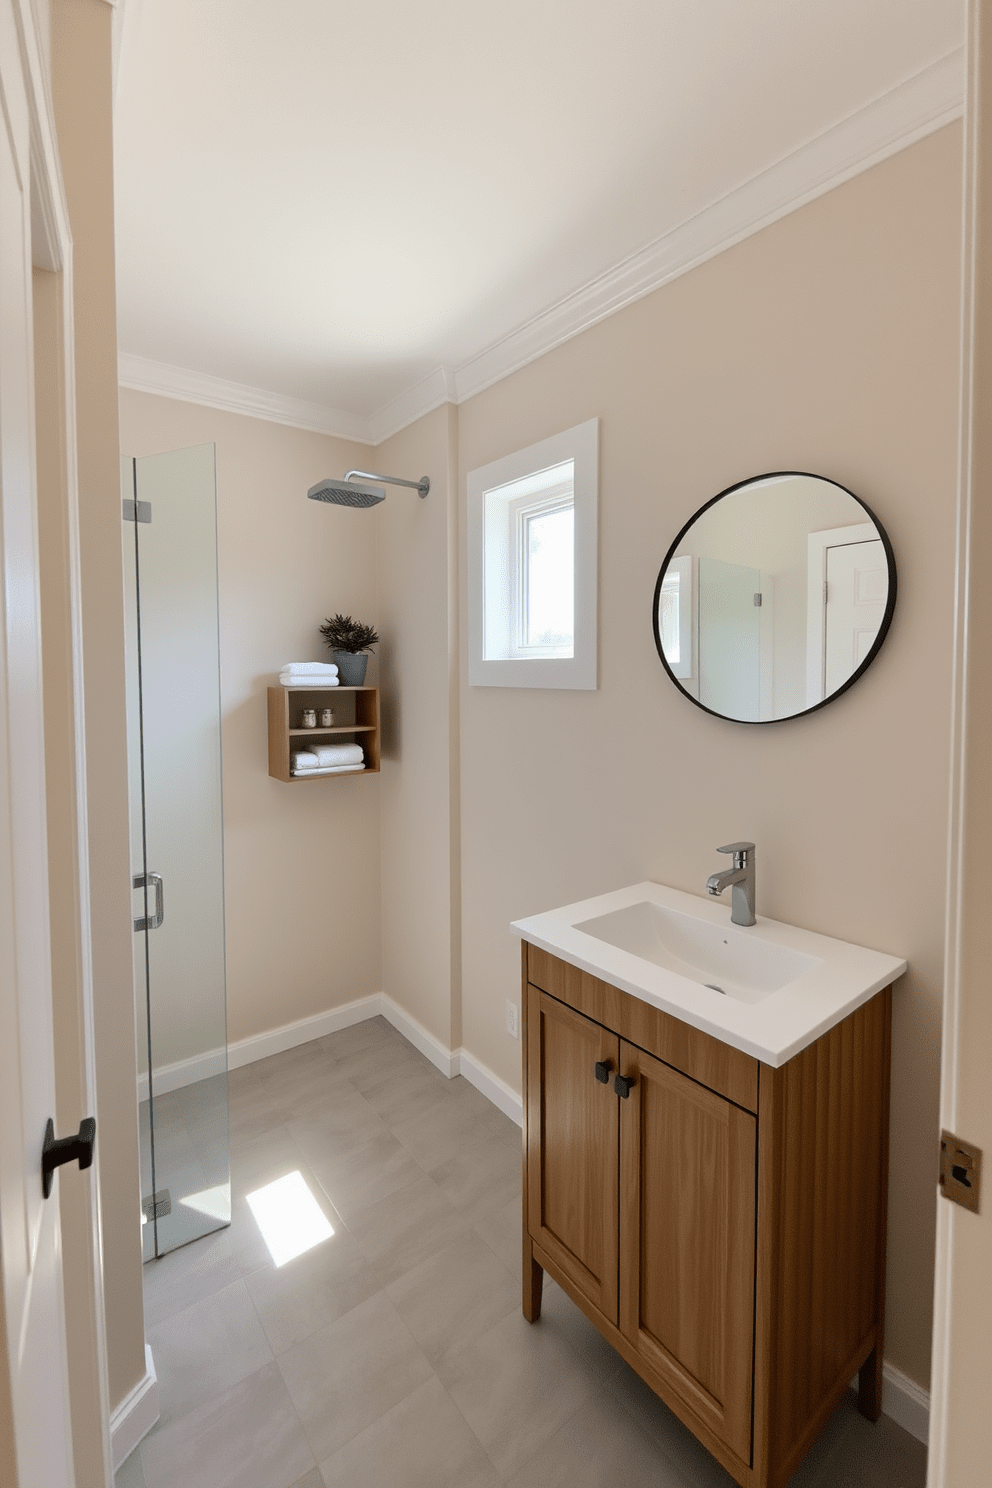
(412, 404)
(146, 376)
(907, 113)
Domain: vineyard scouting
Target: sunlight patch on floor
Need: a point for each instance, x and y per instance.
(289, 1217)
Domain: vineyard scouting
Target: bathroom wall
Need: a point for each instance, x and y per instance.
(421, 947)
(828, 342)
(301, 861)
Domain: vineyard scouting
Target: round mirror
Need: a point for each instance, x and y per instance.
(774, 597)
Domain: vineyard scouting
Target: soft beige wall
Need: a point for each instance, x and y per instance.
(82, 95)
(301, 861)
(418, 623)
(827, 342)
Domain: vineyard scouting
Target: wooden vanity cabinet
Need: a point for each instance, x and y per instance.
(721, 1222)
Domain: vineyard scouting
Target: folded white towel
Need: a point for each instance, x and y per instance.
(303, 759)
(338, 754)
(310, 668)
(304, 683)
(330, 770)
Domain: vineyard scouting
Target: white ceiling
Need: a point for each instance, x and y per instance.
(332, 199)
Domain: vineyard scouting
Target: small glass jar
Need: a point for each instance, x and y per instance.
(308, 718)
(327, 717)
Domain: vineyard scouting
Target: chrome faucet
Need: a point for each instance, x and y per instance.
(741, 876)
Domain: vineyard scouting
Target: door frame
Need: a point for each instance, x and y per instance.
(816, 618)
(962, 1337)
(51, 244)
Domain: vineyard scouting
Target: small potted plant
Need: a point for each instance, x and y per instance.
(349, 641)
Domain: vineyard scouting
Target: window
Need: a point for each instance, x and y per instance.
(532, 592)
(529, 566)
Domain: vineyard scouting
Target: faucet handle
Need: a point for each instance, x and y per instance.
(737, 847)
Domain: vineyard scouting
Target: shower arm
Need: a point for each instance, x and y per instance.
(423, 485)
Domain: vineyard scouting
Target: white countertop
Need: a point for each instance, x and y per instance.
(773, 1028)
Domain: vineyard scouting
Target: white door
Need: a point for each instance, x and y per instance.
(29, 1225)
(857, 589)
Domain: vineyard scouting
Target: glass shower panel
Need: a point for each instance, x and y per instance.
(177, 845)
(730, 639)
(138, 941)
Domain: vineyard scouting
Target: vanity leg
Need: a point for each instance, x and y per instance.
(870, 1386)
(533, 1282)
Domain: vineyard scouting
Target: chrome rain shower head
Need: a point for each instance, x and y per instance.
(346, 493)
(349, 492)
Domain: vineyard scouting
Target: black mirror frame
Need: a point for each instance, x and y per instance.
(890, 602)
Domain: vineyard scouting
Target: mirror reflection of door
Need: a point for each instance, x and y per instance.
(857, 586)
(730, 639)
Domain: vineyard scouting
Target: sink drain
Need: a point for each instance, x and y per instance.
(714, 988)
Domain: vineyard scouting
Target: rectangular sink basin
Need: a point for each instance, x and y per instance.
(721, 957)
(767, 989)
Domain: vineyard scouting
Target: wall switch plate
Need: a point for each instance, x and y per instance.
(960, 1171)
(512, 1019)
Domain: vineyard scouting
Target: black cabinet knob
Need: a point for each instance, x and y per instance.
(59, 1150)
(623, 1085)
(603, 1067)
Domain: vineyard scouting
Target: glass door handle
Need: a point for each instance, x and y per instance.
(141, 881)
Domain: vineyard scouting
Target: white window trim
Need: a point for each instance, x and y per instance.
(581, 445)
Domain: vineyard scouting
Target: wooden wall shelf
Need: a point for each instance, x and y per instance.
(356, 714)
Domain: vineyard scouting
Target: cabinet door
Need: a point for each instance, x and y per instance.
(573, 1156)
(687, 1241)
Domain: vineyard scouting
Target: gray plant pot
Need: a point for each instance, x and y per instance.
(351, 667)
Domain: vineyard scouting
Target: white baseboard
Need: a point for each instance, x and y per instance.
(491, 1086)
(168, 1077)
(136, 1414)
(454, 1062)
(379, 1004)
(416, 1034)
(906, 1402)
(290, 1035)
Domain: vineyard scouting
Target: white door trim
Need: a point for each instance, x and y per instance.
(962, 1335)
(51, 242)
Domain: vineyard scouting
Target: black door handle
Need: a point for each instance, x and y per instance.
(603, 1067)
(59, 1150)
(623, 1085)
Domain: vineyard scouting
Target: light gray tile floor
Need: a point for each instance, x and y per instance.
(395, 1352)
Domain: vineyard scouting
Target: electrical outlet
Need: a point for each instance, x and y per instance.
(512, 1019)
